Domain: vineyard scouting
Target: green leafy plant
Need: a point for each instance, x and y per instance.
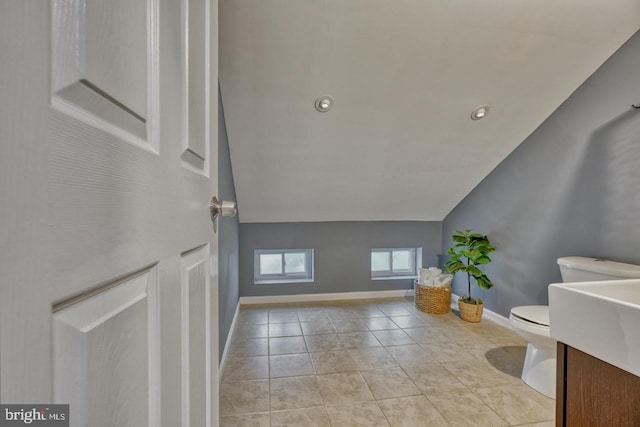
(468, 252)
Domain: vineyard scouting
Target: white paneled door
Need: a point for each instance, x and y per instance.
(108, 160)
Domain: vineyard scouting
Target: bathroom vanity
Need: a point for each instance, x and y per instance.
(597, 326)
(591, 392)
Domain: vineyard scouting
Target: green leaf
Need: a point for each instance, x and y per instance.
(482, 259)
(459, 239)
(474, 271)
(454, 267)
(483, 282)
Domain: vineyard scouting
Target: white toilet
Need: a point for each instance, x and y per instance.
(531, 322)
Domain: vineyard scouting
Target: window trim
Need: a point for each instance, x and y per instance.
(415, 260)
(265, 279)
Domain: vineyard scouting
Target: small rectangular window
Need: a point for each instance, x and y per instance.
(395, 263)
(282, 266)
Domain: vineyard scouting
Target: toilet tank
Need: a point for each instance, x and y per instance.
(582, 269)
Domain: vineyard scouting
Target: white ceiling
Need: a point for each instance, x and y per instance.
(405, 75)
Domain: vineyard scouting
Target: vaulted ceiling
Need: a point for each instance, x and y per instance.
(398, 143)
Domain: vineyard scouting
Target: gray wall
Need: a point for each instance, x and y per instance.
(571, 188)
(227, 237)
(342, 252)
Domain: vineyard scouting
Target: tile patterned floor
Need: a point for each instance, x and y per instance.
(374, 363)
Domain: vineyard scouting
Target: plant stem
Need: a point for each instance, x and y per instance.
(469, 280)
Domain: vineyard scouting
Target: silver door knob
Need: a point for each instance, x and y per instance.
(224, 208)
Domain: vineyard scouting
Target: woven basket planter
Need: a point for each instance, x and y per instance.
(470, 312)
(433, 300)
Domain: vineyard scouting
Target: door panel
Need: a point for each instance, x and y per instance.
(195, 101)
(116, 44)
(101, 206)
(106, 353)
(196, 319)
(104, 65)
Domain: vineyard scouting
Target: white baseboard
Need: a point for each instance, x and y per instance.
(272, 299)
(486, 313)
(227, 343)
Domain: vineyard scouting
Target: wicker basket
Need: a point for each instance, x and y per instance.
(433, 300)
(470, 312)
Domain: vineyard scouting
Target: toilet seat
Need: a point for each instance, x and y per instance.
(533, 319)
(538, 314)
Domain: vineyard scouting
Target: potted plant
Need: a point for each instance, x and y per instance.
(469, 251)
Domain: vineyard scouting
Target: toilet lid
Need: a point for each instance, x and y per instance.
(533, 313)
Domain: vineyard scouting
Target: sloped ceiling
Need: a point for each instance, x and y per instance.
(399, 143)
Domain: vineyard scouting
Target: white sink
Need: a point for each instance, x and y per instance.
(599, 318)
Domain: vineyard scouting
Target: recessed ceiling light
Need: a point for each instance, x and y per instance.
(480, 112)
(324, 103)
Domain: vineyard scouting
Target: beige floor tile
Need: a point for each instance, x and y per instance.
(294, 393)
(395, 310)
(284, 329)
(411, 411)
(283, 317)
(456, 351)
(460, 333)
(411, 307)
(350, 325)
(250, 331)
(317, 327)
(409, 355)
(327, 362)
(507, 362)
(369, 311)
(310, 417)
(393, 337)
(367, 414)
(465, 409)
(542, 424)
(246, 368)
(253, 317)
(247, 420)
(518, 404)
(290, 365)
(379, 323)
(287, 345)
(387, 383)
(372, 358)
(428, 334)
(487, 329)
(414, 321)
(343, 388)
(244, 397)
(286, 307)
(450, 319)
(327, 342)
(364, 414)
(432, 377)
(337, 313)
(479, 374)
(502, 341)
(358, 340)
(312, 315)
(517, 352)
(249, 347)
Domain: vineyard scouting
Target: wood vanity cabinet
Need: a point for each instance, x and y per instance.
(591, 392)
